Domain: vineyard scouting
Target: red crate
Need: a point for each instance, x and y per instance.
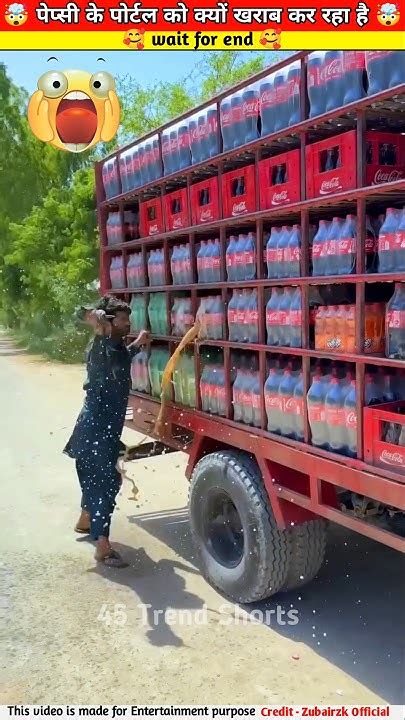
(176, 210)
(378, 451)
(151, 216)
(204, 201)
(232, 182)
(273, 195)
(321, 182)
(386, 151)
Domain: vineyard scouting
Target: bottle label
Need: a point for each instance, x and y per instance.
(248, 257)
(396, 319)
(316, 412)
(272, 317)
(255, 401)
(237, 113)
(165, 148)
(194, 134)
(372, 55)
(267, 98)
(251, 108)
(184, 141)
(216, 319)
(354, 60)
(314, 75)
(299, 406)
(386, 242)
(251, 317)
(273, 402)
(294, 86)
(240, 316)
(295, 318)
(226, 118)
(346, 246)
(174, 144)
(334, 415)
(333, 69)
(371, 244)
(399, 240)
(351, 418)
(202, 130)
(316, 250)
(216, 262)
(271, 255)
(283, 316)
(288, 405)
(239, 258)
(212, 124)
(281, 93)
(232, 317)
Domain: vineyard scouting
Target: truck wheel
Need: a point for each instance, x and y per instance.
(239, 547)
(307, 553)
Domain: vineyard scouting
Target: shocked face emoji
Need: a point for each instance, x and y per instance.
(270, 39)
(133, 39)
(73, 110)
(388, 15)
(16, 15)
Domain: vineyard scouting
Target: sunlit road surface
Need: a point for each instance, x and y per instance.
(76, 634)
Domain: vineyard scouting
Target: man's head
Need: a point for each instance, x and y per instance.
(118, 312)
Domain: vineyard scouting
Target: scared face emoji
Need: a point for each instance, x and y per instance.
(73, 110)
(388, 15)
(16, 15)
(133, 39)
(270, 39)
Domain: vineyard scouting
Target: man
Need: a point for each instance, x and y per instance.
(95, 441)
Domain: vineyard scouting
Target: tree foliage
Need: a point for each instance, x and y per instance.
(48, 236)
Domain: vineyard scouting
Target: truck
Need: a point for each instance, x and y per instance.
(272, 215)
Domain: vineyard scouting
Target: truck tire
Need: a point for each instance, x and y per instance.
(239, 547)
(307, 553)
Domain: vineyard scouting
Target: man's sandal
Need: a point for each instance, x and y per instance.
(113, 559)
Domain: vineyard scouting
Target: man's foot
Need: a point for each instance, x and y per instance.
(106, 555)
(83, 524)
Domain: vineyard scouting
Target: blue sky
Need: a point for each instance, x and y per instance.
(25, 67)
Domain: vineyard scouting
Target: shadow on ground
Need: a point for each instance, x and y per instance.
(8, 348)
(353, 614)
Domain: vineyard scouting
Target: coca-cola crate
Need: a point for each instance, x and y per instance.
(239, 191)
(280, 180)
(384, 428)
(204, 201)
(385, 157)
(176, 210)
(151, 217)
(331, 165)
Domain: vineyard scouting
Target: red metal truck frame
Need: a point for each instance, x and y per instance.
(301, 480)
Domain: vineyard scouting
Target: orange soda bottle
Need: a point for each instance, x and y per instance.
(350, 328)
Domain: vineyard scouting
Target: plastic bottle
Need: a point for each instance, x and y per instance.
(347, 246)
(335, 416)
(272, 400)
(372, 393)
(217, 319)
(315, 84)
(319, 249)
(333, 79)
(395, 323)
(201, 269)
(249, 263)
(286, 392)
(233, 328)
(293, 93)
(267, 105)
(251, 324)
(240, 257)
(273, 270)
(333, 239)
(399, 244)
(246, 397)
(354, 63)
(273, 319)
(320, 335)
(226, 124)
(295, 319)
(294, 253)
(238, 124)
(299, 408)
(250, 105)
(237, 397)
(316, 411)
(184, 149)
(284, 317)
(281, 100)
(231, 258)
(350, 413)
(386, 241)
(282, 263)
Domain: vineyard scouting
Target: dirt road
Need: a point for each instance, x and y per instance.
(76, 634)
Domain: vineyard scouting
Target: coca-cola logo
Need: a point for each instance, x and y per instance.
(268, 98)
(178, 222)
(351, 419)
(333, 70)
(392, 458)
(328, 186)
(280, 197)
(225, 118)
(383, 177)
(250, 108)
(153, 229)
(239, 208)
(205, 215)
(289, 405)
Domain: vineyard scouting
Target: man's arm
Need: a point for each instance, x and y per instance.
(142, 339)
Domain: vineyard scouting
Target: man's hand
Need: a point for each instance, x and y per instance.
(100, 322)
(143, 338)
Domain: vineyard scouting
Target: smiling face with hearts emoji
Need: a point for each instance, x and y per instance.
(133, 39)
